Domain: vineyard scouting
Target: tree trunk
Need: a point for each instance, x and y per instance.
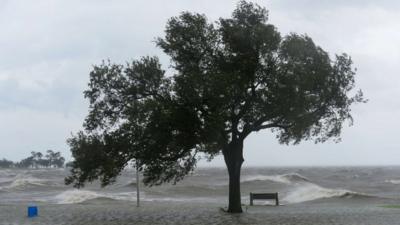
(233, 159)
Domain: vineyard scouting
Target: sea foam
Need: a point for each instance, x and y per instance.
(310, 191)
(392, 181)
(22, 181)
(78, 196)
(284, 178)
(301, 189)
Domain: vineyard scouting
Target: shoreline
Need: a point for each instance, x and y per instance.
(100, 211)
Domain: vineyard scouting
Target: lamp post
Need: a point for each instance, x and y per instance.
(137, 185)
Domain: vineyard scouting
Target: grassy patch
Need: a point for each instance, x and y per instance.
(391, 206)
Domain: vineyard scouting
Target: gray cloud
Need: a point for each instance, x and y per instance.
(47, 49)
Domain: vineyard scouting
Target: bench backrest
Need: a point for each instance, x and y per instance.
(264, 195)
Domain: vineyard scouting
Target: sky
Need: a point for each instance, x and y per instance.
(47, 49)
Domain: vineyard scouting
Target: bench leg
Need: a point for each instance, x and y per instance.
(277, 200)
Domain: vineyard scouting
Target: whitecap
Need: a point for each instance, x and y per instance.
(283, 178)
(6, 173)
(75, 196)
(21, 181)
(309, 192)
(393, 181)
(78, 196)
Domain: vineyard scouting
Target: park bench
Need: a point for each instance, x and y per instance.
(264, 196)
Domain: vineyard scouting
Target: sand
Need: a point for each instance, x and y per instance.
(117, 213)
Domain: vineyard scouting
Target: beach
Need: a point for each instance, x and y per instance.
(309, 195)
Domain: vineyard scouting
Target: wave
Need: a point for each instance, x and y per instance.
(129, 184)
(284, 178)
(392, 181)
(79, 196)
(310, 192)
(23, 181)
(195, 190)
(5, 182)
(7, 173)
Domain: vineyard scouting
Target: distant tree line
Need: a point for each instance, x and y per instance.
(37, 160)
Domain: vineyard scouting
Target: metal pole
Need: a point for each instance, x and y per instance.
(137, 185)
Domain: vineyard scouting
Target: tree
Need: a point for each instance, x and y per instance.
(37, 159)
(26, 163)
(50, 156)
(54, 159)
(59, 162)
(4, 163)
(231, 78)
(69, 164)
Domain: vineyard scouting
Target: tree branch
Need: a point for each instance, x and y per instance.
(271, 125)
(258, 125)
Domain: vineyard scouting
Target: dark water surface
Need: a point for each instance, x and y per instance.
(208, 185)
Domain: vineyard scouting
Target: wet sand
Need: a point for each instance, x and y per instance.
(343, 211)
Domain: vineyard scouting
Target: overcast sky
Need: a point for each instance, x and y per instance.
(47, 49)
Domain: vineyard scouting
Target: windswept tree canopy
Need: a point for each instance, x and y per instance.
(230, 78)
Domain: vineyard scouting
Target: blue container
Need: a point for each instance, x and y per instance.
(32, 211)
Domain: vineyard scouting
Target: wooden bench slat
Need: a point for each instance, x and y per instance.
(255, 196)
(264, 195)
